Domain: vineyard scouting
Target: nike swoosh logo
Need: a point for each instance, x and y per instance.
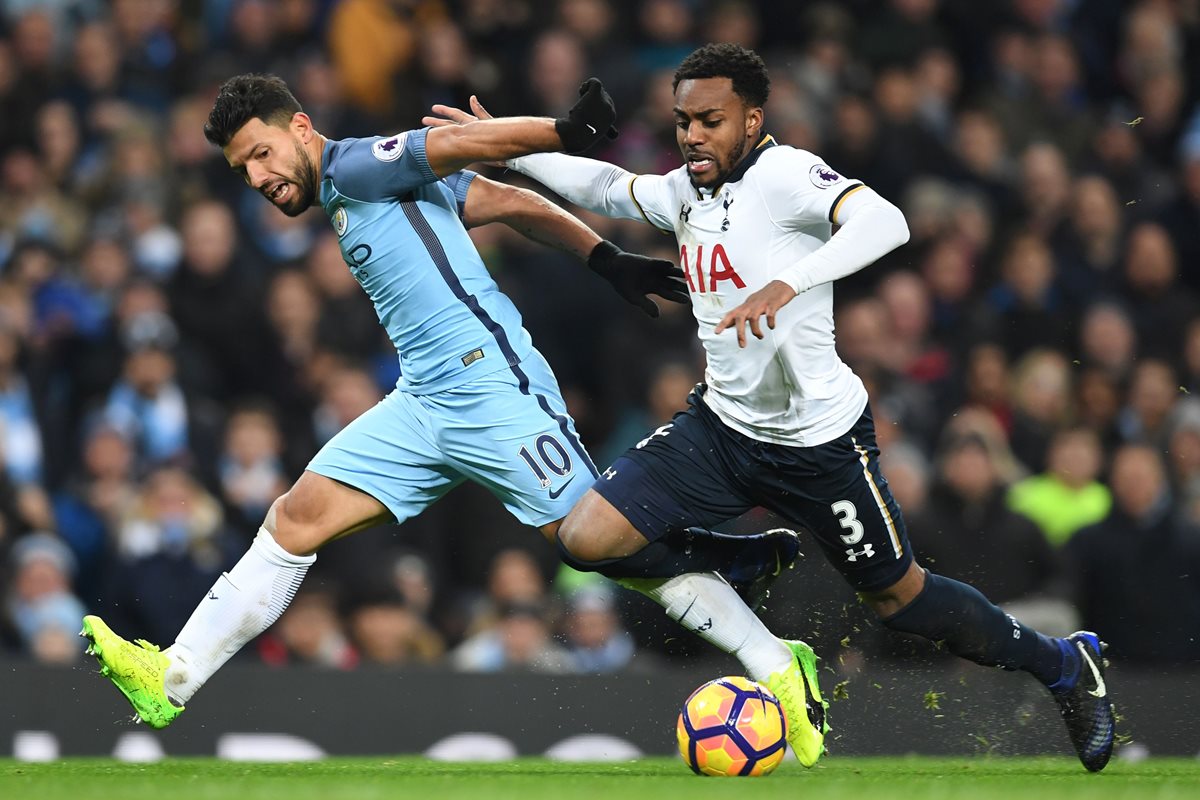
(815, 717)
(1101, 690)
(679, 619)
(555, 493)
(591, 129)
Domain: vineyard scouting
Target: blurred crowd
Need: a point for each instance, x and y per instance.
(173, 350)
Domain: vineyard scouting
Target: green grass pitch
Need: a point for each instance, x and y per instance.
(652, 779)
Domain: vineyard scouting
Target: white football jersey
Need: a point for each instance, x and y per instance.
(791, 387)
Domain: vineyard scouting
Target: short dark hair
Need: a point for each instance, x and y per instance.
(245, 97)
(725, 60)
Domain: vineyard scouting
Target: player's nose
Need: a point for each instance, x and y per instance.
(694, 133)
(257, 175)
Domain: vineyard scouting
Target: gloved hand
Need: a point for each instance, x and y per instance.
(635, 277)
(590, 119)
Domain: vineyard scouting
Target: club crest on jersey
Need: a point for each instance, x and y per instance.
(389, 149)
(823, 177)
(340, 221)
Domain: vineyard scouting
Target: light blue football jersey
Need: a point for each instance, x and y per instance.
(475, 401)
(401, 233)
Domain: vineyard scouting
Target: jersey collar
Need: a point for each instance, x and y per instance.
(766, 141)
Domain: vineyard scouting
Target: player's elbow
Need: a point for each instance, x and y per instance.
(894, 225)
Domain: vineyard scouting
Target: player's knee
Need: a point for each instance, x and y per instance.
(295, 528)
(580, 547)
(888, 602)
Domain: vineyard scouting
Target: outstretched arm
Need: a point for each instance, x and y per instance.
(598, 186)
(450, 148)
(534, 217)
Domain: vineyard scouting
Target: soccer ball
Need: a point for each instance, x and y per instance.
(731, 726)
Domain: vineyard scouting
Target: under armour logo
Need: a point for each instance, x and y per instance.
(867, 551)
(707, 624)
(684, 211)
(609, 474)
(213, 596)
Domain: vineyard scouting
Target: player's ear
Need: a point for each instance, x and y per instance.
(302, 126)
(754, 121)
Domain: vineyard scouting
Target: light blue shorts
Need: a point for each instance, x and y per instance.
(508, 431)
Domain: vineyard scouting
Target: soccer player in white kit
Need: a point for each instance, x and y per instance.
(780, 420)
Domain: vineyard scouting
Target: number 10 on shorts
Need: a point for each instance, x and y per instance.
(551, 455)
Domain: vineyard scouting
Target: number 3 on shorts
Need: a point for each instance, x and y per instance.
(849, 521)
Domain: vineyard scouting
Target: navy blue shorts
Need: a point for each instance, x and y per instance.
(697, 471)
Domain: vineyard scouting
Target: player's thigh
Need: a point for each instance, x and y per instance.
(683, 474)
(510, 432)
(837, 491)
(389, 454)
(596, 531)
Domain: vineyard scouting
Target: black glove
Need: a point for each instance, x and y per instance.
(636, 276)
(590, 119)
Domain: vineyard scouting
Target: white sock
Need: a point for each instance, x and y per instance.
(243, 603)
(707, 605)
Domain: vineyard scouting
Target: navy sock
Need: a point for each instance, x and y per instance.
(676, 553)
(975, 629)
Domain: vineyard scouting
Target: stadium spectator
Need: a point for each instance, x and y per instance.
(90, 504)
(1183, 454)
(1152, 394)
(20, 430)
(149, 405)
(1160, 305)
(1140, 544)
(968, 532)
(250, 467)
(213, 274)
(169, 545)
(39, 603)
(1089, 253)
(1024, 309)
(386, 631)
(596, 641)
(1107, 340)
(520, 640)
(310, 632)
(1041, 403)
(1067, 496)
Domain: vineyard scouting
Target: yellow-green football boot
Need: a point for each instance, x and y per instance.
(800, 695)
(137, 668)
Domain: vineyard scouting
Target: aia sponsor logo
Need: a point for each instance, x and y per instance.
(703, 276)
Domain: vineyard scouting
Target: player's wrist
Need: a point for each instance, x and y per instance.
(601, 257)
(794, 278)
(575, 135)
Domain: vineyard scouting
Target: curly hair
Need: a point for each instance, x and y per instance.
(724, 60)
(246, 97)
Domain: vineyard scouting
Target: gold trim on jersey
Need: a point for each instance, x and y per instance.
(641, 211)
(745, 164)
(865, 459)
(838, 203)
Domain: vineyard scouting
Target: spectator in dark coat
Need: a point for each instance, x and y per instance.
(1138, 571)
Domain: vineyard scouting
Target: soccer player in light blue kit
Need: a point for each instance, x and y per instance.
(475, 401)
